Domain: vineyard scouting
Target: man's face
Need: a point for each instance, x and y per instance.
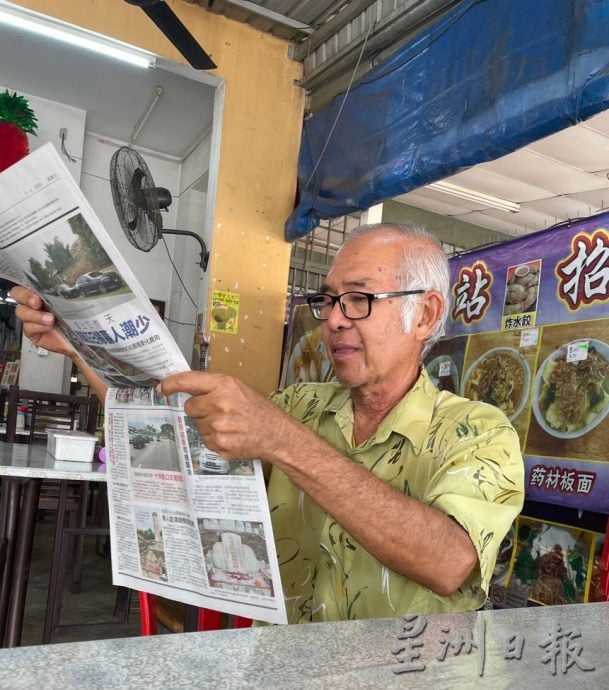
(374, 351)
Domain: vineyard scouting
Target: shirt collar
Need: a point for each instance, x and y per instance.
(411, 417)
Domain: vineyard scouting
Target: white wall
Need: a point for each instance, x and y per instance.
(191, 216)
(52, 117)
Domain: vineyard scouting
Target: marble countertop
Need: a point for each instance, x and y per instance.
(557, 647)
(22, 460)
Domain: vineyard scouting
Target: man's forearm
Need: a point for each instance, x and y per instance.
(98, 387)
(404, 534)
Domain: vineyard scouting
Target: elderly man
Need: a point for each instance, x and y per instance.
(387, 496)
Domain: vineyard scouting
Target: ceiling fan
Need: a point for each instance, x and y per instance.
(167, 21)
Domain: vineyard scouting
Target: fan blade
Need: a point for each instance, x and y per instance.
(168, 22)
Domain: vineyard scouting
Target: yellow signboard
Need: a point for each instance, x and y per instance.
(225, 312)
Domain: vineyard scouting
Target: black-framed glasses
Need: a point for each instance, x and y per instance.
(354, 305)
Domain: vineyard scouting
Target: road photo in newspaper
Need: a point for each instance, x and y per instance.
(184, 523)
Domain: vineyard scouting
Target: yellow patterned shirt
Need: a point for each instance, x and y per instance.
(459, 456)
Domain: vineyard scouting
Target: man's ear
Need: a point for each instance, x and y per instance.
(430, 311)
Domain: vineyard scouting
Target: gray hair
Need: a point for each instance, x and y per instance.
(424, 269)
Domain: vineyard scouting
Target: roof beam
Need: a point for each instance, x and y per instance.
(270, 14)
(346, 15)
(393, 30)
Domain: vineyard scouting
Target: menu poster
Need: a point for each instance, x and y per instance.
(528, 332)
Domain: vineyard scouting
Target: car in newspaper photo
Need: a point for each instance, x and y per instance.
(139, 440)
(206, 462)
(66, 291)
(97, 283)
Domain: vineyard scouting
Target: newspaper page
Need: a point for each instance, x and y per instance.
(184, 523)
(186, 520)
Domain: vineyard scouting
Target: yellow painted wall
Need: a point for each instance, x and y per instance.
(257, 174)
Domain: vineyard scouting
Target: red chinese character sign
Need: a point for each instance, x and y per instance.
(583, 275)
(528, 332)
(472, 293)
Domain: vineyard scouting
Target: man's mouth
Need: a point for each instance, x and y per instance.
(341, 352)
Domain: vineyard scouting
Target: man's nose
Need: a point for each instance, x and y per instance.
(336, 318)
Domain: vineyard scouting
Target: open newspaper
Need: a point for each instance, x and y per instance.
(184, 523)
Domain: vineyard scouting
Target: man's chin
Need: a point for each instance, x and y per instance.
(347, 379)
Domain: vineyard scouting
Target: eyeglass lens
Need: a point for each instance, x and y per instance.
(354, 305)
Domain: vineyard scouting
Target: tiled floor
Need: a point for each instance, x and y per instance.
(94, 606)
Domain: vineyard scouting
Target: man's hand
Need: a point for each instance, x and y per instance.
(39, 325)
(235, 421)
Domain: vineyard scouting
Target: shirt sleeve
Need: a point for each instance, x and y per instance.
(480, 483)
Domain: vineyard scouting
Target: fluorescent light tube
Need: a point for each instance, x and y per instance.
(477, 197)
(37, 23)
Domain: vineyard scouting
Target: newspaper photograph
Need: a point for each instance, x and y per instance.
(184, 523)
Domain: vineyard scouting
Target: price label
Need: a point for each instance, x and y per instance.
(444, 369)
(529, 338)
(577, 352)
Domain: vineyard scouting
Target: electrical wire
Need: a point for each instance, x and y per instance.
(194, 304)
(180, 323)
(380, 76)
(359, 58)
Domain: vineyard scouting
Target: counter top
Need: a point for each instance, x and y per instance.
(34, 462)
(556, 644)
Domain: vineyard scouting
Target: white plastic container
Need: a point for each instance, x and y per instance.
(71, 445)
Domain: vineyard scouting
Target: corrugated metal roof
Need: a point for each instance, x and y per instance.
(293, 20)
(333, 37)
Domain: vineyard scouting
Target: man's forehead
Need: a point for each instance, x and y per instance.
(345, 279)
(361, 269)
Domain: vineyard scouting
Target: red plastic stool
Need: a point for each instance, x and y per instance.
(207, 619)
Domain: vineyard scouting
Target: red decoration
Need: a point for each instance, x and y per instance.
(14, 144)
(17, 119)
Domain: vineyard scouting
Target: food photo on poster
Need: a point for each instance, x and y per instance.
(571, 393)
(521, 290)
(305, 358)
(444, 363)
(547, 563)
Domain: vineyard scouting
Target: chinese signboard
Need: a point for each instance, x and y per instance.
(528, 332)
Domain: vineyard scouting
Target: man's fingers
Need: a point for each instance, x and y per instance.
(26, 297)
(29, 315)
(193, 382)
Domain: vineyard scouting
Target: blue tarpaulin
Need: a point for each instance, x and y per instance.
(486, 79)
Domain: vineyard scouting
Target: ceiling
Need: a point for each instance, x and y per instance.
(114, 95)
(293, 20)
(561, 177)
(336, 40)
